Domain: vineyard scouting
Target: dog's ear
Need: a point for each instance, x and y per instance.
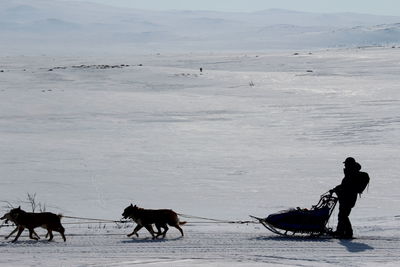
(131, 205)
(135, 206)
(19, 208)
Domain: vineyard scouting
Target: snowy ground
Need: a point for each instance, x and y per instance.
(220, 247)
(90, 139)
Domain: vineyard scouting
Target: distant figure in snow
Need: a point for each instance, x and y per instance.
(353, 183)
(201, 70)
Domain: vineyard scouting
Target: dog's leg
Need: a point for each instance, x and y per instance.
(38, 237)
(159, 232)
(137, 228)
(13, 232)
(151, 231)
(31, 234)
(179, 228)
(20, 230)
(61, 230)
(165, 230)
(50, 234)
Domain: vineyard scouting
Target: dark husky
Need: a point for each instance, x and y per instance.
(47, 220)
(145, 218)
(7, 217)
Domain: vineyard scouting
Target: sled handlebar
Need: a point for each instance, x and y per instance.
(329, 193)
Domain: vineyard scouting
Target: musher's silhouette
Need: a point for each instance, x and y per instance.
(353, 183)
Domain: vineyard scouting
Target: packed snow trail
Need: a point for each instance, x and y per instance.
(247, 246)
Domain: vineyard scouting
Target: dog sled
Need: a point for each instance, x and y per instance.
(302, 222)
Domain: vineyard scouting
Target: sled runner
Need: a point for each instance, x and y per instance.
(311, 222)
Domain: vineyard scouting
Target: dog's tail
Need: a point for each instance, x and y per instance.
(182, 223)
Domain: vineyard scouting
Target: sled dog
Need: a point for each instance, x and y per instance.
(145, 218)
(29, 220)
(7, 217)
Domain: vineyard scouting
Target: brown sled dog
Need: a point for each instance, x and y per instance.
(47, 220)
(145, 218)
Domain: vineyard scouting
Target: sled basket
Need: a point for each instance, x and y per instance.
(302, 221)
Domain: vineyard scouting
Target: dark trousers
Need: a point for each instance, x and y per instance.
(344, 226)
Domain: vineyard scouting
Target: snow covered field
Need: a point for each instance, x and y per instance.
(251, 134)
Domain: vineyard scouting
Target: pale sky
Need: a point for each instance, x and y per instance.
(379, 7)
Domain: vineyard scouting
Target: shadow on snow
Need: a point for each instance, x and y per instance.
(351, 245)
(149, 240)
(355, 247)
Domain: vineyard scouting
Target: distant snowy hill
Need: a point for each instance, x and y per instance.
(44, 26)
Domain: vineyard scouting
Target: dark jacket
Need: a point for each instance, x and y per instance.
(347, 191)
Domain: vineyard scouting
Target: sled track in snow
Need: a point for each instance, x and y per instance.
(115, 249)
